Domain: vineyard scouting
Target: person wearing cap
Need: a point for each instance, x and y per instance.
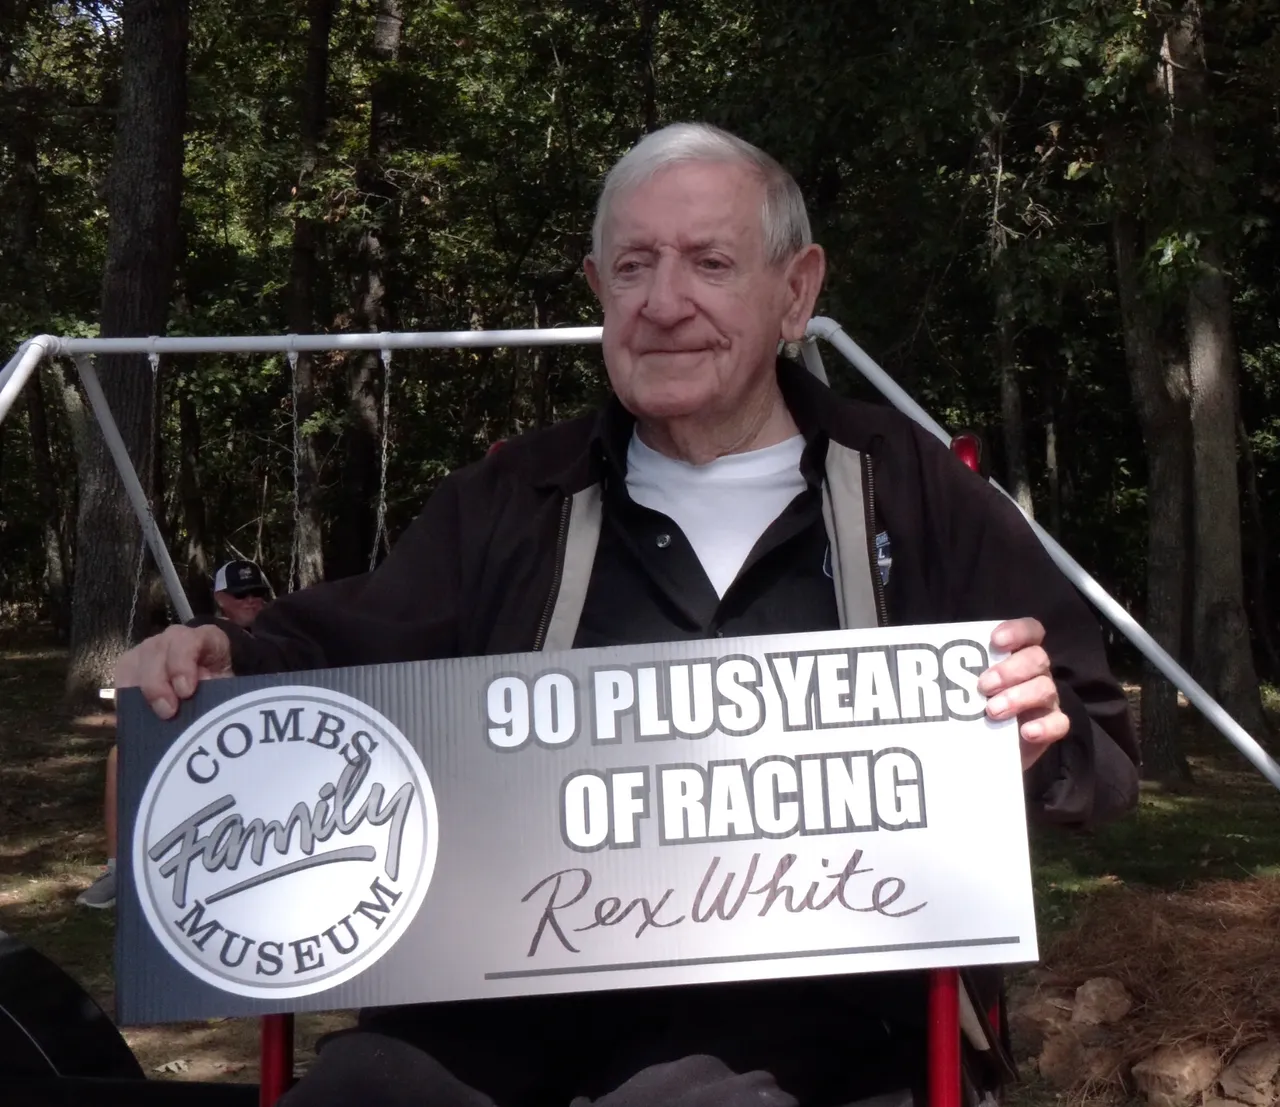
(240, 592)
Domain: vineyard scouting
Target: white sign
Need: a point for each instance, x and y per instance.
(663, 814)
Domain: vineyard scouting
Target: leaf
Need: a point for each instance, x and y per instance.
(1071, 63)
(179, 1064)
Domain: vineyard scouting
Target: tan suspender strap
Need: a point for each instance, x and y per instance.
(585, 515)
(844, 513)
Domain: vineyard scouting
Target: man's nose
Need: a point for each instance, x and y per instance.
(667, 302)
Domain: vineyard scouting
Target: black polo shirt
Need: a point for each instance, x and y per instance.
(647, 584)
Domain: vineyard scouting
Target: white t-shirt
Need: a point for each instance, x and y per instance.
(722, 507)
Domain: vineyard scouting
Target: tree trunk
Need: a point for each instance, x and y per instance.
(650, 14)
(143, 196)
(372, 307)
(304, 268)
(46, 475)
(1258, 577)
(199, 565)
(1015, 439)
(1053, 474)
(26, 278)
(28, 289)
(1160, 391)
(1017, 477)
(1223, 652)
(71, 406)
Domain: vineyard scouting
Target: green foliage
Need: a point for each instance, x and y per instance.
(948, 150)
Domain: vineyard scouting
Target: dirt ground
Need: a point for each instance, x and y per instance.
(51, 847)
(1224, 828)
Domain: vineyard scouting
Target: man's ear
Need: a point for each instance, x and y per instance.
(804, 276)
(593, 274)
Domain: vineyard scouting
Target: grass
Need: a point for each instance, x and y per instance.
(1225, 825)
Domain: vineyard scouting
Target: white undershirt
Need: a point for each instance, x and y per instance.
(722, 507)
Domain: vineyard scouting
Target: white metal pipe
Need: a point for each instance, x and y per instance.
(20, 367)
(832, 332)
(813, 358)
(284, 343)
(12, 363)
(17, 372)
(133, 486)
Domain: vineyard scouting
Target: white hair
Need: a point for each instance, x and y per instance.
(785, 221)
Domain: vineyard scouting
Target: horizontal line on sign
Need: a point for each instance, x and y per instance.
(346, 853)
(687, 962)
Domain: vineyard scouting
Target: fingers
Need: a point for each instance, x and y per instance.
(1022, 686)
(168, 667)
(1018, 687)
(1016, 634)
(1038, 731)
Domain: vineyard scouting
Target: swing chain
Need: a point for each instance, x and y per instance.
(153, 360)
(295, 555)
(380, 532)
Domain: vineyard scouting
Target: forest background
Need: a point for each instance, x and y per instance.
(1052, 221)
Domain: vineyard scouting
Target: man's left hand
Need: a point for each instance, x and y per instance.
(1023, 685)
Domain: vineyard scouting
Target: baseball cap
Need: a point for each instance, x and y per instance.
(240, 578)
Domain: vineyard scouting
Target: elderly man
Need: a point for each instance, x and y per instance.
(719, 492)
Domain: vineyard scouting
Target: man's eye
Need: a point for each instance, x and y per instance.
(625, 268)
(713, 264)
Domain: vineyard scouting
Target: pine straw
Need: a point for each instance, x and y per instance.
(1203, 966)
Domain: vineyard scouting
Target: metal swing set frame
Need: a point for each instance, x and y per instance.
(953, 1015)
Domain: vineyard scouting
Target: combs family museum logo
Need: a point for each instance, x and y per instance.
(284, 842)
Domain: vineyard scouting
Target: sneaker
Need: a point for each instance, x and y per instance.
(101, 894)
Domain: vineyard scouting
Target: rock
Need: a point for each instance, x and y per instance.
(1100, 1002)
(1070, 1059)
(1176, 1075)
(1104, 1064)
(1251, 1076)
(1061, 1059)
(1033, 1016)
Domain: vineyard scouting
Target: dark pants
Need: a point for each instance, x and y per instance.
(826, 1043)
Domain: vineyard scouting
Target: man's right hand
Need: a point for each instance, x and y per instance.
(169, 666)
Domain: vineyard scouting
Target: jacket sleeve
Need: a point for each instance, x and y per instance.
(997, 568)
(406, 609)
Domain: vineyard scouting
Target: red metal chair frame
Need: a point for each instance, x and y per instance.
(276, 1058)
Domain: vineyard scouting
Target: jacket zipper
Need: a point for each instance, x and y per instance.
(561, 549)
(869, 505)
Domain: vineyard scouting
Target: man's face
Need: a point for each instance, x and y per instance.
(241, 610)
(692, 310)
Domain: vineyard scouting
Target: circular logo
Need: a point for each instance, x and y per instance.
(284, 842)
